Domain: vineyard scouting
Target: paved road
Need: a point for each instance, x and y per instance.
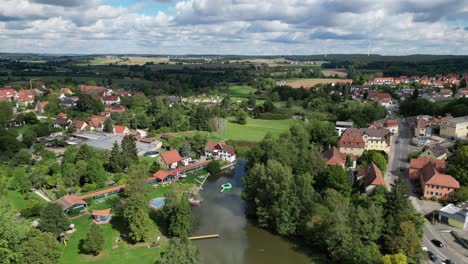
(398, 164)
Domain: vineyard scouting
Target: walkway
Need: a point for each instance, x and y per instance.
(42, 195)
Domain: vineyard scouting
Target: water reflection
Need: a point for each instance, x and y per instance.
(240, 241)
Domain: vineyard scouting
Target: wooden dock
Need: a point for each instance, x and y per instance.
(204, 237)
(201, 183)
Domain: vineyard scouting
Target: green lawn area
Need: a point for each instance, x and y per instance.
(19, 201)
(238, 90)
(255, 129)
(126, 252)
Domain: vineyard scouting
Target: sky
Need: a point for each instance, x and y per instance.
(244, 27)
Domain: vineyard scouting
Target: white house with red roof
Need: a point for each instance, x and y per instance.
(169, 159)
(121, 130)
(220, 150)
(110, 99)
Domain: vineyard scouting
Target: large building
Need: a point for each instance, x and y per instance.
(455, 215)
(355, 140)
(435, 183)
(220, 150)
(455, 127)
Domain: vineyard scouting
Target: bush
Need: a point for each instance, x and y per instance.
(272, 116)
(214, 167)
(73, 212)
(433, 198)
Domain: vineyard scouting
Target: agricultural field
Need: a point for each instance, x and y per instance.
(130, 60)
(238, 90)
(255, 129)
(332, 73)
(310, 82)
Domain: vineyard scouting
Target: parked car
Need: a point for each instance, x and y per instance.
(437, 242)
(432, 256)
(449, 261)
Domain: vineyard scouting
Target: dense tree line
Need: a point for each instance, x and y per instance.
(421, 106)
(289, 190)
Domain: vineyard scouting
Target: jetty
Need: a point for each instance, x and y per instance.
(204, 237)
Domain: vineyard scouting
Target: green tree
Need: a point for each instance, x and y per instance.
(23, 157)
(177, 214)
(53, 219)
(269, 106)
(136, 213)
(399, 258)
(335, 178)
(6, 113)
(94, 241)
(116, 160)
(241, 117)
(28, 137)
(457, 165)
(129, 150)
(214, 168)
(181, 251)
(42, 248)
(108, 126)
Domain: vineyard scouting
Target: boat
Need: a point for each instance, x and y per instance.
(194, 202)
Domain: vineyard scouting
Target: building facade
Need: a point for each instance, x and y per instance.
(455, 127)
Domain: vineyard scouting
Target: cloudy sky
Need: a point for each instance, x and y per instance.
(254, 27)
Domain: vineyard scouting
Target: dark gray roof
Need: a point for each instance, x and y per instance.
(437, 149)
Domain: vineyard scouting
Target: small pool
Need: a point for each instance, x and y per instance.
(157, 203)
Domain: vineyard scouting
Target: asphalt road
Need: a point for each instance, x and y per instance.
(398, 165)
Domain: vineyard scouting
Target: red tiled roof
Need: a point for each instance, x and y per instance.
(104, 212)
(78, 123)
(97, 121)
(102, 192)
(68, 201)
(171, 156)
(373, 175)
(25, 96)
(391, 123)
(8, 92)
(120, 129)
(161, 174)
(88, 89)
(430, 175)
(222, 145)
(65, 91)
(420, 162)
(110, 98)
(335, 157)
(352, 138)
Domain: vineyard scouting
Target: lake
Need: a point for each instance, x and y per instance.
(240, 242)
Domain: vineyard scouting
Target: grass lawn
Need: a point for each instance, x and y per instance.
(19, 201)
(255, 129)
(238, 90)
(126, 252)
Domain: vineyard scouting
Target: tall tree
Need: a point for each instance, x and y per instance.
(108, 126)
(136, 213)
(53, 219)
(94, 241)
(6, 113)
(181, 251)
(129, 150)
(177, 214)
(42, 248)
(116, 160)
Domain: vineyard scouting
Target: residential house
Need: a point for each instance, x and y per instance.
(169, 159)
(383, 99)
(96, 90)
(62, 121)
(436, 184)
(71, 202)
(462, 92)
(25, 98)
(435, 151)
(371, 177)
(101, 216)
(79, 125)
(445, 93)
(121, 131)
(9, 93)
(392, 125)
(40, 106)
(425, 125)
(455, 127)
(69, 102)
(114, 108)
(341, 126)
(186, 161)
(417, 164)
(382, 81)
(96, 122)
(355, 140)
(110, 99)
(333, 156)
(220, 150)
(66, 91)
(455, 215)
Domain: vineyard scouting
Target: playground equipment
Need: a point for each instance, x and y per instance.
(226, 186)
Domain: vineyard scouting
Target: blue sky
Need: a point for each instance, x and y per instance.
(260, 27)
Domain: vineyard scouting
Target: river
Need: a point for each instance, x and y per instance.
(239, 241)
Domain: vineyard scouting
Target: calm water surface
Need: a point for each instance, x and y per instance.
(240, 242)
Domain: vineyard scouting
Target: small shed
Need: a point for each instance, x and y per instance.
(101, 216)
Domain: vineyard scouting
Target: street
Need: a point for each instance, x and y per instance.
(398, 165)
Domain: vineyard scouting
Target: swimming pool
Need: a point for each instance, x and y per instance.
(158, 202)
